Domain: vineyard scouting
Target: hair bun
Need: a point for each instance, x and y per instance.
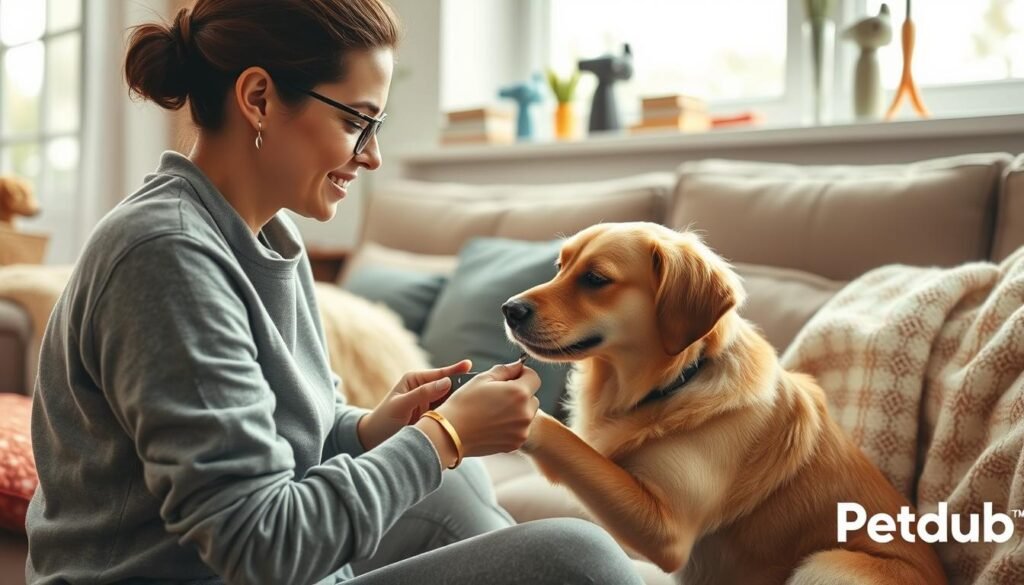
(197, 55)
(181, 30)
(157, 66)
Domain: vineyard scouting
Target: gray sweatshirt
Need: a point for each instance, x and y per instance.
(185, 423)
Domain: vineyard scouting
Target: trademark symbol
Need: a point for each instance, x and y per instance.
(1017, 513)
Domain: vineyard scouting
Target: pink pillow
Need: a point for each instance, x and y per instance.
(18, 477)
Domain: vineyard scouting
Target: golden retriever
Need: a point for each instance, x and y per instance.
(16, 198)
(690, 444)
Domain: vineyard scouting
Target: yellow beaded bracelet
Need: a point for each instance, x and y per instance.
(448, 428)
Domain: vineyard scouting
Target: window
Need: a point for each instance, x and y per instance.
(690, 46)
(739, 55)
(41, 104)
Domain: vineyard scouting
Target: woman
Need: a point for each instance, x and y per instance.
(186, 424)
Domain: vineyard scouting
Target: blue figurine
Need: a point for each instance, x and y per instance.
(604, 113)
(525, 94)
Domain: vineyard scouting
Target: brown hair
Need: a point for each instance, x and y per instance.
(301, 43)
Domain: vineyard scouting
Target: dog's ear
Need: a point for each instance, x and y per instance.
(691, 294)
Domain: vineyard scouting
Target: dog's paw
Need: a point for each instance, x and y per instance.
(534, 438)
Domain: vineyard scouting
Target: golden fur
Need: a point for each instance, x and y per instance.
(16, 198)
(735, 478)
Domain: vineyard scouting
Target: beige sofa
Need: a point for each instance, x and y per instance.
(795, 234)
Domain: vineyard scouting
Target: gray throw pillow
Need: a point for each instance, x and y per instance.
(409, 293)
(467, 321)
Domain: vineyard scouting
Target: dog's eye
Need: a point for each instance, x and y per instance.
(594, 280)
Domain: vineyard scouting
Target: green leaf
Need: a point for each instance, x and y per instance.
(564, 90)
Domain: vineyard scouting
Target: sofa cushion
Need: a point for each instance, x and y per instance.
(781, 300)
(410, 293)
(1009, 234)
(438, 218)
(374, 254)
(18, 477)
(406, 282)
(467, 322)
(840, 221)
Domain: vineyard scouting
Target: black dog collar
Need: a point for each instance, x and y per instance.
(659, 393)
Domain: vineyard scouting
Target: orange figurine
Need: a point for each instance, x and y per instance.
(907, 85)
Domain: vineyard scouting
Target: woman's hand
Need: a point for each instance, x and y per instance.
(410, 398)
(493, 411)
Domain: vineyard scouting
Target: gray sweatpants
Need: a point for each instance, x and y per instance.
(459, 534)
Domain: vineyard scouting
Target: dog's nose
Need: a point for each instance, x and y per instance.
(516, 312)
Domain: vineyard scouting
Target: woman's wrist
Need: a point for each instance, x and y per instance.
(442, 442)
(364, 431)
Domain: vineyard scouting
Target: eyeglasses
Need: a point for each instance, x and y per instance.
(371, 128)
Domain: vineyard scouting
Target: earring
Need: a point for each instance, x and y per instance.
(259, 134)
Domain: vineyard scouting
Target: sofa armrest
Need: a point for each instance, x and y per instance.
(15, 336)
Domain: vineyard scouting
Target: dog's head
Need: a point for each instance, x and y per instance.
(16, 198)
(628, 288)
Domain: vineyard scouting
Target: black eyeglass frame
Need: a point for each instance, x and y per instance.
(371, 129)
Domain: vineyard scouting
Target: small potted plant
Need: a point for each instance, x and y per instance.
(565, 92)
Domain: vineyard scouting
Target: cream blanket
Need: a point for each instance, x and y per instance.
(367, 345)
(923, 368)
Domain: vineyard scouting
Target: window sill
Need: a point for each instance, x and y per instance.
(614, 143)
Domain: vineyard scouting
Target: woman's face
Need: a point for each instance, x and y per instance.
(311, 150)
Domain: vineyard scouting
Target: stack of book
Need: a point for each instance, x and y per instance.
(479, 126)
(681, 113)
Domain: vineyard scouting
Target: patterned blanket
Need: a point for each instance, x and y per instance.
(924, 368)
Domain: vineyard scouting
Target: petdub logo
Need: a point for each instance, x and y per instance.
(931, 527)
